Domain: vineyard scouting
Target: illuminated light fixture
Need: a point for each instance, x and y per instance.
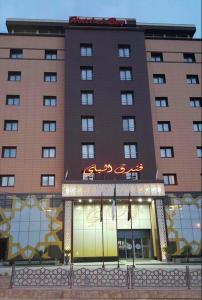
(139, 199)
(90, 200)
(80, 200)
(107, 168)
(149, 200)
(130, 200)
(110, 200)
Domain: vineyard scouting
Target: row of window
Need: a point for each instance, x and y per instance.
(127, 98)
(88, 151)
(87, 124)
(87, 50)
(49, 179)
(86, 73)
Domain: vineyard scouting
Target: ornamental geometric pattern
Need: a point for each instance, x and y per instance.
(161, 226)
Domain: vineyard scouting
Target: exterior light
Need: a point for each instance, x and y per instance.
(130, 200)
(90, 200)
(110, 200)
(139, 199)
(149, 200)
(80, 200)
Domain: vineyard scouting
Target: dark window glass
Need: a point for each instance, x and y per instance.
(195, 102)
(48, 152)
(9, 152)
(86, 50)
(49, 126)
(50, 77)
(170, 179)
(159, 79)
(7, 180)
(14, 76)
(124, 51)
(161, 102)
(166, 152)
(48, 180)
(127, 98)
(189, 57)
(199, 151)
(125, 74)
(49, 101)
(86, 73)
(87, 124)
(128, 123)
(192, 79)
(51, 54)
(156, 56)
(197, 126)
(13, 100)
(164, 126)
(10, 125)
(16, 53)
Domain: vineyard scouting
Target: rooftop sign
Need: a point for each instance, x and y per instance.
(97, 21)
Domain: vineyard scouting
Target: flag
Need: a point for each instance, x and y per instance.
(114, 204)
(101, 209)
(129, 208)
(157, 174)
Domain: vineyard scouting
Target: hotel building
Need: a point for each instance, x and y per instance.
(94, 110)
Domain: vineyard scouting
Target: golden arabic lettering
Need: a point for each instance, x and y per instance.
(107, 168)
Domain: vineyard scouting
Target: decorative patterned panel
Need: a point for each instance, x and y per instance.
(68, 225)
(161, 227)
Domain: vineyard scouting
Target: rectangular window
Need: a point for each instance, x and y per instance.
(132, 176)
(130, 151)
(86, 97)
(197, 126)
(9, 152)
(48, 152)
(128, 123)
(124, 51)
(127, 98)
(10, 125)
(86, 50)
(7, 180)
(13, 100)
(192, 79)
(88, 151)
(49, 101)
(47, 180)
(156, 56)
(170, 179)
(164, 126)
(166, 152)
(125, 74)
(86, 73)
(195, 101)
(51, 54)
(189, 57)
(161, 101)
(14, 76)
(159, 79)
(49, 126)
(16, 53)
(50, 77)
(199, 151)
(87, 124)
(88, 177)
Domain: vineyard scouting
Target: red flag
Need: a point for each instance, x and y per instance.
(101, 209)
(129, 208)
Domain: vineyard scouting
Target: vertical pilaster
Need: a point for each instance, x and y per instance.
(68, 225)
(161, 224)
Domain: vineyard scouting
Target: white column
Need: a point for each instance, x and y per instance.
(68, 225)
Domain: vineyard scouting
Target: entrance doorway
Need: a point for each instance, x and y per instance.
(3, 248)
(139, 240)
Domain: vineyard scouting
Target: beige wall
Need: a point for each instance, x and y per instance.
(185, 164)
(29, 139)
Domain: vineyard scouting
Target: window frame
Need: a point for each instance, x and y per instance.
(159, 79)
(48, 123)
(16, 53)
(156, 57)
(124, 51)
(51, 75)
(8, 177)
(199, 151)
(12, 123)
(48, 177)
(51, 53)
(128, 127)
(192, 79)
(88, 73)
(166, 149)
(189, 57)
(168, 175)
(87, 101)
(129, 153)
(87, 127)
(161, 99)
(126, 100)
(131, 176)
(88, 155)
(197, 125)
(13, 98)
(48, 149)
(162, 123)
(9, 149)
(49, 98)
(194, 100)
(86, 50)
(125, 74)
(14, 76)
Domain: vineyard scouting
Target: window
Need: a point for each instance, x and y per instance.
(195, 102)
(161, 102)
(130, 151)
(159, 79)
(50, 77)
(16, 53)
(87, 123)
(12, 100)
(49, 101)
(88, 151)
(86, 49)
(192, 79)
(189, 57)
(87, 98)
(88, 177)
(156, 56)
(132, 176)
(9, 152)
(7, 180)
(51, 54)
(86, 73)
(49, 126)
(124, 51)
(166, 152)
(47, 180)
(127, 98)
(48, 152)
(199, 151)
(164, 126)
(170, 179)
(125, 74)
(197, 126)
(10, 125)
(128, 123)
(14, 76)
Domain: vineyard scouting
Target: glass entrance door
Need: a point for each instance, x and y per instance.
(138, 240)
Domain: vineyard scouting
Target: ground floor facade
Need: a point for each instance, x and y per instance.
(33, 223)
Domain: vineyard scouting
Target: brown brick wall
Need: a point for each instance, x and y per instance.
(185, 164)
(28, 166)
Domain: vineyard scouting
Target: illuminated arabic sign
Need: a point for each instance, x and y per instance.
(120, 170)
(96, 21)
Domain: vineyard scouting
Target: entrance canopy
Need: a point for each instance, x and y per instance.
(74, 189)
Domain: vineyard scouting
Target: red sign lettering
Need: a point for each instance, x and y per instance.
(96, 21)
